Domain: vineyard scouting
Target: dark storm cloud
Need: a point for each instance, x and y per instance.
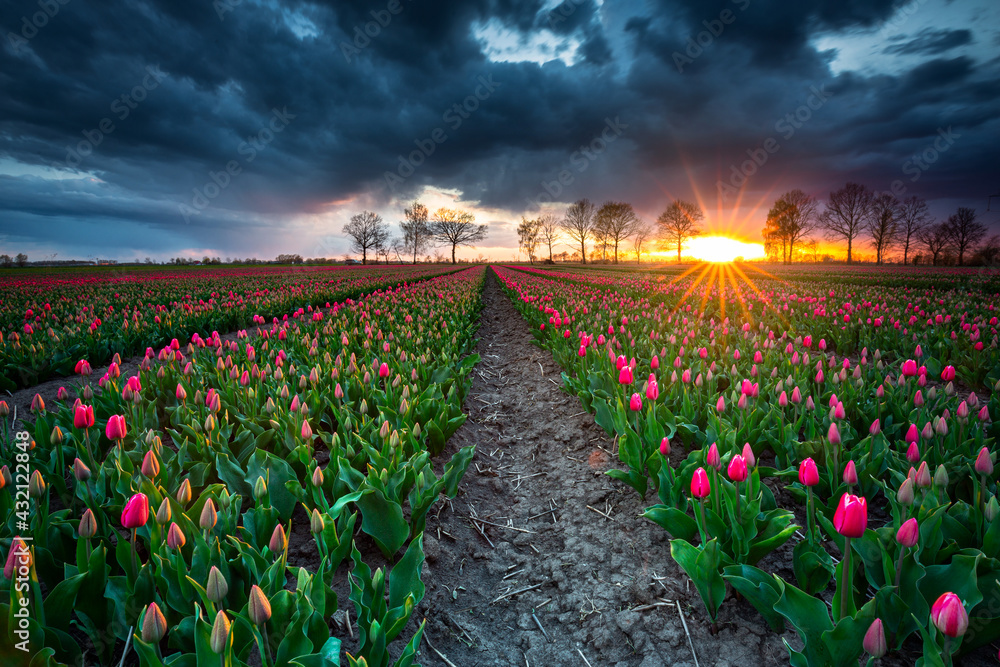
(355, 103)
(929, 41)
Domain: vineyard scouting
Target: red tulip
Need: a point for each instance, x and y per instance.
(700, 487)
(808, 473)
(948, 373)
(909, 368)
(383, 370)
(136, 511)
(737, 469)
(625, 375)
(652, 390)
(949, 616)
(83, 416)
(115, 430)
(909, 533)
(665, 447)
(851, 517)
(635, 404)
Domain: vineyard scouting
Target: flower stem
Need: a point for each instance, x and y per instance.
(703, 528)
(899, 567)
(846, 584)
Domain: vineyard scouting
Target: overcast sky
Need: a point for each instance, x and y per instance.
(255, 127)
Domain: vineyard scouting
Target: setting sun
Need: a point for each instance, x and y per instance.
(722, 249)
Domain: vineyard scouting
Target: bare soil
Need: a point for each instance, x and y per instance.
(575, 536)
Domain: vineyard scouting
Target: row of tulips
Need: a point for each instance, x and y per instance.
(764, 403)
(164, 503)
(50, 320)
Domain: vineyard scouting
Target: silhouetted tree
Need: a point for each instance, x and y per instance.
(845, 214)
(882, 223)
(616, 220)
(679, 222)
(455, 228)
(367, 231)
(913, 218)
(579, 224)
(964, 231)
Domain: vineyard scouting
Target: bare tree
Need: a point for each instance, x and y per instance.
(882, 223)
(21, 260)
(913, 218)
(617, 220)
(548, 231)
(579, 224)
(416, 233)
(680, 221)
(527, 235)
(367, 232)
(989, 251)
(964, 231)
(774, 231)
(800, 218)
(453, 227)
(935, 239)
(845, 214)
(643, 233)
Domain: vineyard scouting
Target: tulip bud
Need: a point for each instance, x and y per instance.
(665, 447)
(923, 478)
(909, 533)
(136, 512)
(259, 607)
(278, 540)
(851, 517)
(260, 490)
(220, 633)
(88, 525)
(737, 469)
(748, 455)
(949, 616)
(316, 522)
(874, 642)
(154, 624)
(712, 458)
(36, 485)
(56, 437)
(850, 474)
(317, 477)
(217, 587)
(80, 470)
(175, 537)
(941, 477)
(808, 473)
(991, 509)
(184, 492)
(150, 465)
(984, 464)
(700, 487)
(163, 513)
(209, 516)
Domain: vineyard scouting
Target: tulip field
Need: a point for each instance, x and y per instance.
(814, 445)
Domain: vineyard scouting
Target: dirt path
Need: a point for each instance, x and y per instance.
(539, 464)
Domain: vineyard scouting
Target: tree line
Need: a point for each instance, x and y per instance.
(418, 231)
(856, 213)
(611, 229)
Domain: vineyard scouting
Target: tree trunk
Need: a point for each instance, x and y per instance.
(453, 253)
(583, 251)
(678, 251)
(364, 255)
(906, 253)
(791, 250)
(848, 250)
(616, 251)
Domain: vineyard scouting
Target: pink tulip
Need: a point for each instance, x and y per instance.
(850, 474)
(875, 428)
(851, 517)
(808, 473)
(909, 368)
(700, 487)
(948, 373)
(949, 616)
(115, 429)
(136, 511)
(83, 416)
(720, 405)
(665, 447)
(909, 533)
(635, 404)
(383, 370)
(874, 642)
(712, 458)
(18, 557)
(306, 430)
(913, 453)
(833, 434)
(748, 455)
(652, 391)
(737, 469)
(911, 433)
(984, 464)
(625, 375)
